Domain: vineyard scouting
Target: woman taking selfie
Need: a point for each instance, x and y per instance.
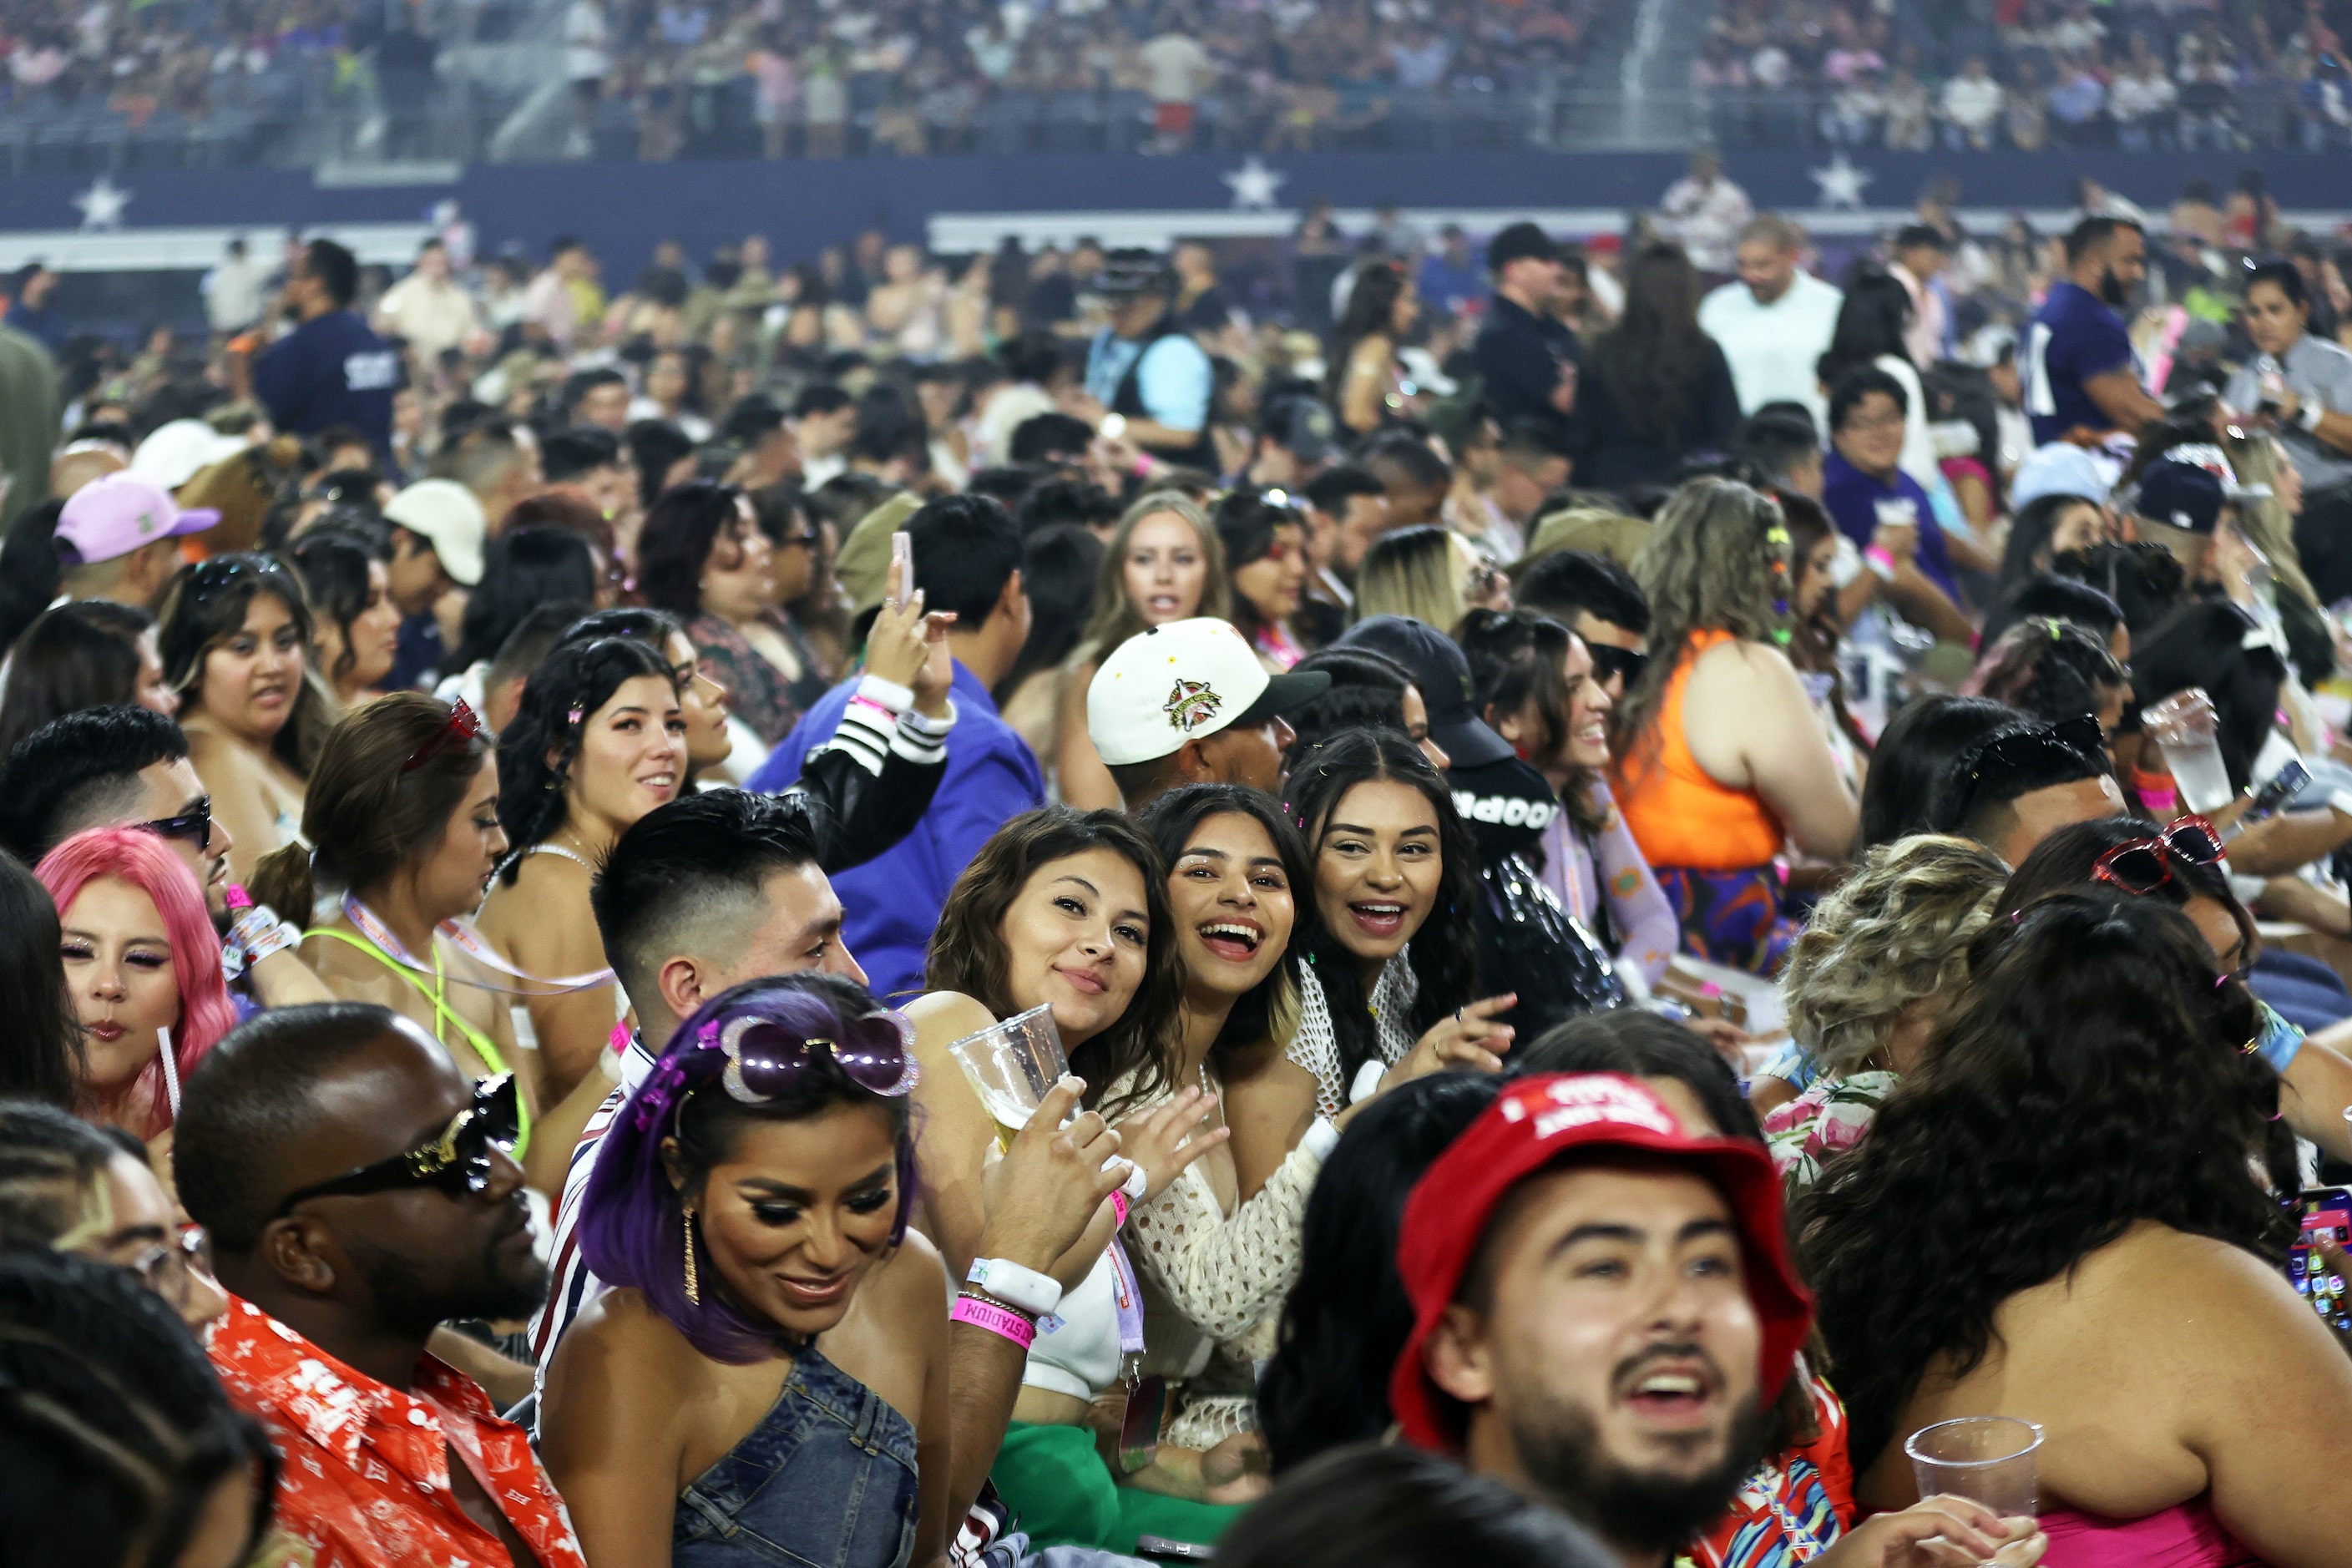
(1164, 562)
(142, 965)
(770, 1320)
(2120, 1280)
(600, 740)
(235, 637)
(1720, 761)
(91, 653)
(1532, 682)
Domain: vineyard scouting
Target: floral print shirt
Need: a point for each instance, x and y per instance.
(1824, 1122)
(365, 1479)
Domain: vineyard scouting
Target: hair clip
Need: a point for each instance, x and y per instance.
(572, 716)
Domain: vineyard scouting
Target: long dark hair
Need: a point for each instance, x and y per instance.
(77, 655)
(1371, 313)
(2028, 550)
(335, 563)
(682, 530)
(205, 605)
(561, 696)
(1915, 753)
(966, 950)
(1443, 952)
(1347, 1317)
(1516, 656)
(40, 1036)
(1654, 357)
(1869, 324)
(2204, 645)
(2063, 863)
(1172, 818)
(1247, 524)
(2090, 1076)
(526, 567)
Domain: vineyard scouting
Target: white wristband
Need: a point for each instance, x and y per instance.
(1014, 1285)
(2314, 411)
(1320, 1139)
(1135, 1183)
(1367, 1082)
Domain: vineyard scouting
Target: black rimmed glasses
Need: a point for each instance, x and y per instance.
(460, 1161)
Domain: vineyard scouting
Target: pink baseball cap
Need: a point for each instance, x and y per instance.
(118, 513)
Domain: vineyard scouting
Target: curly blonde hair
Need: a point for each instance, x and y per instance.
(1896, 931)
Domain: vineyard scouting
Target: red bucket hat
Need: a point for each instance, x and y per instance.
(1537, 1122)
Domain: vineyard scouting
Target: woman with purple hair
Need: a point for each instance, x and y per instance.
(752, 1201)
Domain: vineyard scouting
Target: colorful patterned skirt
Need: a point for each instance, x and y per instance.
(1732, 918)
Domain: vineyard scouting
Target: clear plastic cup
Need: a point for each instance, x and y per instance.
(2186, 729)
(1988, 1460)
(1011, 1065)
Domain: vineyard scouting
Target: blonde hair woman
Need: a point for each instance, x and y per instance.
(1868, 982)
(1429, 573)
(1164, 562)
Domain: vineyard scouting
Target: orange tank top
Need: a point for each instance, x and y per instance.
(1679, 816)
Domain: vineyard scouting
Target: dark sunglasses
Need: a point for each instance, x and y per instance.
(764, 1060)
(196, 825)
(2144, 864)
(463, 726)
(1610, 662)
(2019, 748)
(459, 1160)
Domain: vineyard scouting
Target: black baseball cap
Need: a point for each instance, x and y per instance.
(1128, 273)
(1303, 427)
(2180, 495)
(1443, 675)
(1517, 242)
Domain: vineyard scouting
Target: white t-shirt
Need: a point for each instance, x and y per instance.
(585, 58)
(1178, 66)
(1771, 348)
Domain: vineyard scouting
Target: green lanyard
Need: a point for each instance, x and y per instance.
(447, 1017)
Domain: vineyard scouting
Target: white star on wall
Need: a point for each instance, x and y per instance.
(1253, 184)
(101, 205)
(1840, 183)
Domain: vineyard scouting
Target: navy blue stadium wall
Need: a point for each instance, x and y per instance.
(622, 209)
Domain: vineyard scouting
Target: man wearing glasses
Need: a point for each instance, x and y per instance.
(128, 767)
(360, 1191)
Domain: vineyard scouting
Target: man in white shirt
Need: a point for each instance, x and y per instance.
(1708, 213)
(427, 307)
(1921, 254)
(233, 290)
(1972, 106)
(1179, 70)
(585, 38)
(1775, 321)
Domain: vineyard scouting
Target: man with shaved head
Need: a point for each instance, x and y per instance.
(360, 1191)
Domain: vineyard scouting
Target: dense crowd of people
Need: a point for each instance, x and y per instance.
(1566, 919)
(2029, 75)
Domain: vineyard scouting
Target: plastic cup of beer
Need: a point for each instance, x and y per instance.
(1012, 1066)
(1988, 1460)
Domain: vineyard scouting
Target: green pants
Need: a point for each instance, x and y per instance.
(1063, 1494)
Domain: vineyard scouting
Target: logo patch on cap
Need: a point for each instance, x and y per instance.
(1571, 1102)
(1191, 705)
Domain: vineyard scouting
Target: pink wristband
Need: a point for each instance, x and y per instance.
(1879, 556)
(1119, 1208)
(996, 1319)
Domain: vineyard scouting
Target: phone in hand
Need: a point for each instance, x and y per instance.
(2284, 786)
(2327, 1216)
(902, 558)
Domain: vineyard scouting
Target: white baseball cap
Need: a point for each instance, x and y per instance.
(177, 452)
(1185, 681)
(448, 515)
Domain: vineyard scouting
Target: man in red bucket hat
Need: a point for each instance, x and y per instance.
(1604, 1312)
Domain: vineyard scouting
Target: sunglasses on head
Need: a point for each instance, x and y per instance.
(1610, 662)
(2144, 864)
(2021, 748)
(462, 727)
(196, 825)
(460, 1161)
(764, 1060)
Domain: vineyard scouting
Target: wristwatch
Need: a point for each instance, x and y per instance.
(1015, 1286)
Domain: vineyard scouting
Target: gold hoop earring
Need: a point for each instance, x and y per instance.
(693, 1286)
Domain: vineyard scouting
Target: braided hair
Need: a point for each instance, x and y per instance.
(536, 750)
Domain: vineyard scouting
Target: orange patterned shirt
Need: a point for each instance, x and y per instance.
(365, 1482)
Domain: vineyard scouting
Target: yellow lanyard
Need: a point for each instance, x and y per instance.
(446, 1016)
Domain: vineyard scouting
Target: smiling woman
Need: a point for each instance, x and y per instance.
(236, 634)
(600, 740)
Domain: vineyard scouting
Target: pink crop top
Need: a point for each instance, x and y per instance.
(2185, 1536)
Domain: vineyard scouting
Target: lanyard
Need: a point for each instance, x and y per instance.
(466, 940)
(379, 944)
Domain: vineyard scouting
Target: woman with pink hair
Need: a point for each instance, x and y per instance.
(139, 958)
